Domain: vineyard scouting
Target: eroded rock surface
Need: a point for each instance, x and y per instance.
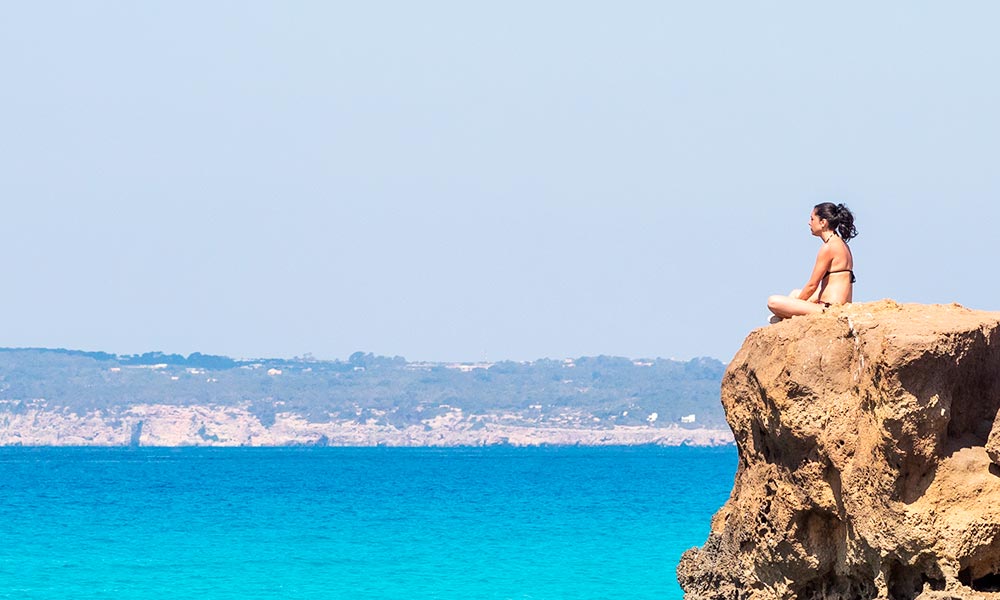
(993, 443)
(863, 465)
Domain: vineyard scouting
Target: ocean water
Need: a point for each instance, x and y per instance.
(354, 523)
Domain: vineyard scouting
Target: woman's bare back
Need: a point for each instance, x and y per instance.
(836, 287)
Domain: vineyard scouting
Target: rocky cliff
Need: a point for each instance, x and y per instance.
(867, 459)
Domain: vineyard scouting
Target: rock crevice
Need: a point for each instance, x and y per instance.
(868, 459)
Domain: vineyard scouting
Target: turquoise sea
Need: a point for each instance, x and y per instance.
(354, 523)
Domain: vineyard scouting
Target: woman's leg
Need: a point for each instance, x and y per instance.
(790, 306)
(797, 292)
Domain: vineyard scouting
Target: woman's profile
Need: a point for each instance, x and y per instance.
(832, 279)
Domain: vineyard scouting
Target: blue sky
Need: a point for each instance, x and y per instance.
(467, 181)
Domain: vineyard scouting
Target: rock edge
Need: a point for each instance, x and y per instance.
(867, 459)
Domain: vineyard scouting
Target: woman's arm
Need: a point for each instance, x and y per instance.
(823, 261)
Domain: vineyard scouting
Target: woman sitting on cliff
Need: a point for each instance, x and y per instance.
(832, 278)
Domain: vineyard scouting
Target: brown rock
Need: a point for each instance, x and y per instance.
(993, 443)
(863, 470)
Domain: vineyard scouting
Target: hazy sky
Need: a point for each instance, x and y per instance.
(470, 180)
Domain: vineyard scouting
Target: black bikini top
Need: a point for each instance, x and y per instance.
(853, 278)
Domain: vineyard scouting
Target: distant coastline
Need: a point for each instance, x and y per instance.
(173, 426)
(56, 397)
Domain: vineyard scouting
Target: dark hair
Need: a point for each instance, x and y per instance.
(839, 217)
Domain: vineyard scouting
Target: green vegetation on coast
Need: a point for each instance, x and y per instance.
(605, 391)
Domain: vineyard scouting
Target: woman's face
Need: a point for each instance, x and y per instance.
(816, 224)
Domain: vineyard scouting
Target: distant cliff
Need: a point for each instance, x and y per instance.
(160, 425)
(867, 467)
(67, 397)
